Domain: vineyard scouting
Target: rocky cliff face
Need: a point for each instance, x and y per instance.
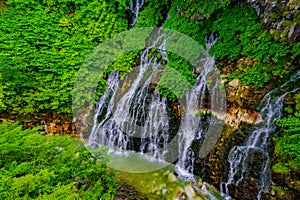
(281, 17)
(52, 123)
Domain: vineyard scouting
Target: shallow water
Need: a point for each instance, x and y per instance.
(156, 179)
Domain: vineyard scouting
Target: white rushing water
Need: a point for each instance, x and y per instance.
(258, 142)
(137, 115)
(256, 6)
(106, 101)
(135, 7)
(132, 115)
(140, 113)
(191, 122)
(156, 128)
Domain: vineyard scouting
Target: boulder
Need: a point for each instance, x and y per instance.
(236, 115)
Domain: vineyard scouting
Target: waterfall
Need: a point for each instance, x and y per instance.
(135, 7)
(140, 112)
(133, 115)
(106, 101)
(256, 6)
(156, 128)
(191, 122)
(258, 142)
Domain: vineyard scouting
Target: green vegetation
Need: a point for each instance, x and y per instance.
(2, 106)
(33, 166)
(240, 34)
(280, 191)
(190, 8)
(287, 146)
(152, 14)
(287, 151)
(43, 44)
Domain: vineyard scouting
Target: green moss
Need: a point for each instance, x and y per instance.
(280, 168)
(297, 100)
(240, 132)
(287, 146)
(287, 23)
(280, 190)
(42, 48)
(274, 17)
(297, 17)
(284, 35)
(206, 7)
(276, 35)
(289, 110)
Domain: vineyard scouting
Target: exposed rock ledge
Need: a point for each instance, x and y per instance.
(236, 116)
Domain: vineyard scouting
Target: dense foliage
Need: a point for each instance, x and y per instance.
(287, 144)
(240, 34)
(152, 14)
(191, 8)
(43, 44)
(287, 149)
(33, 166)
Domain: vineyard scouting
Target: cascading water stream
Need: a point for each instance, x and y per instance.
(258, 142)
(255, 4)
(128, 117)
(138, 111)
(135, 7)
(191, 122)
(156, 128)
(121, 119)
(106, 101)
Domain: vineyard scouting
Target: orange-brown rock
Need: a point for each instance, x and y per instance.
(65, 127)
(242, 95)
(56, 127)
(236, 115)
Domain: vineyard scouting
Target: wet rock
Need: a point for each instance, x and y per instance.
(236, 115)
(66, 127)
(52, 123)
(234, 83)
(198, 16)
(180, 194)
(52, 128)
(273, 192)
(289, 102)
(126, 192)
(204, 193)
(59, 128)
(280, 17)
(172, 177)
(190, 192)
(200, 183)
(244, 96)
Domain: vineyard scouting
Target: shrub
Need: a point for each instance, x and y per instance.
(287, 145)
(33, 166)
